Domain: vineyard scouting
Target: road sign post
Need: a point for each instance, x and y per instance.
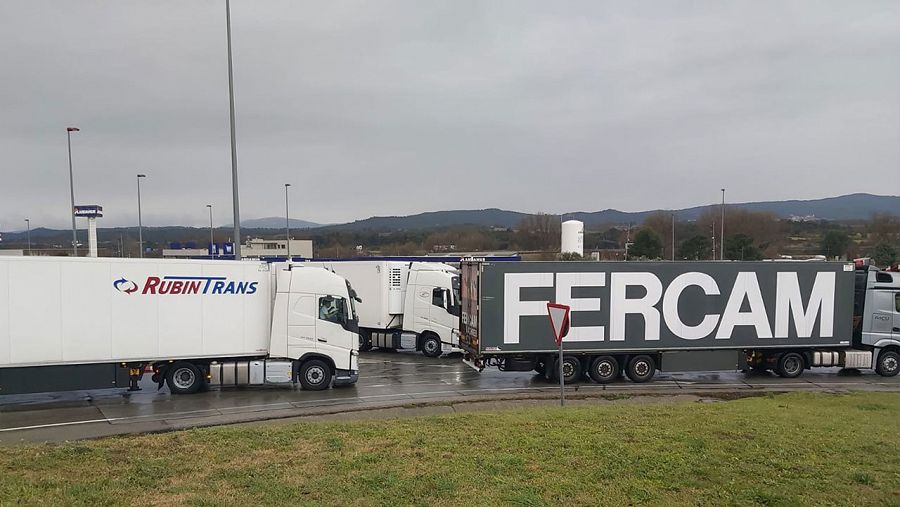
(559, 322)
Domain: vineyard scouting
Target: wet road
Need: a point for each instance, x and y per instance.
(386, 379)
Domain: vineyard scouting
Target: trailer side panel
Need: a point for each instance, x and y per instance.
(658, 306)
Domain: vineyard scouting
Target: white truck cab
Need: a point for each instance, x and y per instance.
(314, 315)
(877, 311)
(404, 305)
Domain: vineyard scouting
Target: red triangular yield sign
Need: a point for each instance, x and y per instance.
(559, 320)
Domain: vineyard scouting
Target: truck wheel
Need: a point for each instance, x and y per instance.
(888, 363)
(571, 369)
(365, 342)
(539, 367)
(431, 346)
(641, 369)
(184, 378)
(604, 369)
(790, 365)
(315, 375)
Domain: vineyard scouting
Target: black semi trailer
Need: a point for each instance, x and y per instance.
(640, 317)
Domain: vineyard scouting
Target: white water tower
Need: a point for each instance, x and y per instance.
(572, 237)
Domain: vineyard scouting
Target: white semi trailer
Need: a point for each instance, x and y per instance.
(404, 305)
(80, 323)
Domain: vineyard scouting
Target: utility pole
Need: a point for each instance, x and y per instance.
(212, 242)
(673, 237)
(287, 222)
(28, 234)
(140, 223)
(722, 236)
(234, 169)
(69, 131)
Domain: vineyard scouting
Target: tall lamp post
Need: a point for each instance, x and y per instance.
(140, 223)
(287, 221)
(673, 237)
(69, 131)
(234, 170)
(212, 243)
(28, 234)
(722, 235)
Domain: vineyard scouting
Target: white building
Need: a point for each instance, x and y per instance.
(253, 249)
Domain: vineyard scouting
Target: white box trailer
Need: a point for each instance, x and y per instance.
(74, 323)
(404, 304)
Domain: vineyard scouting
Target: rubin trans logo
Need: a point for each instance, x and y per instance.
(172, 285)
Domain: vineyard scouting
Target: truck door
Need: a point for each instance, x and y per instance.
(884, 313)
(333, 323)
(442, 320)
(301, 324)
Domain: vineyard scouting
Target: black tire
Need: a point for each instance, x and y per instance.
(641, 369)
(315, 375)
(431, 346)
(572, 370)
(184, 378)
(888, 364)
(365, 341)
(604, 369)
(790, 365)
(539, 367)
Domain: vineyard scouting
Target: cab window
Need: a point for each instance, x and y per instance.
(897, 302)
(333, 309)
(437, 297)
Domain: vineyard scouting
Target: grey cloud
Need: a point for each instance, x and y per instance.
(406, 106)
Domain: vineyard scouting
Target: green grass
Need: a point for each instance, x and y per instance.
(797, 449)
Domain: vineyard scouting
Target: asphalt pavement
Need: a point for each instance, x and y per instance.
(386, 380)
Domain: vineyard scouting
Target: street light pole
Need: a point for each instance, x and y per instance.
(234, 170)
(673, 237)
(212, 241)
(28, 234)
(69, 131)
(140, 223)
(722, 235)
(287, 221)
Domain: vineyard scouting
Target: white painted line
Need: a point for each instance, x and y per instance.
(53, 425)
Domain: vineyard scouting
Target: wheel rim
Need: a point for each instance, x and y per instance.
(183, 378)
(890, 364)
(605, 369)
(431, 346)
(791, 365)
(641, 368)
(315, 375)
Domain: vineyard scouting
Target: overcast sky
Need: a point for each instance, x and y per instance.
(388, 108)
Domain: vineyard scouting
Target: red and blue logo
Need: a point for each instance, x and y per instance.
(126, 286)
(173, 285)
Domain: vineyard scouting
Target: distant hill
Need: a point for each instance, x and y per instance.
(846, 207)
(275, 223)
(435, 219)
